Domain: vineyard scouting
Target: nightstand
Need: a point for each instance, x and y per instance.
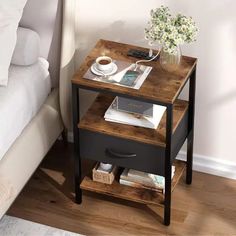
(148, 150)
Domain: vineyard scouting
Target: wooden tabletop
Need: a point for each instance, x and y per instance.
(159, 87)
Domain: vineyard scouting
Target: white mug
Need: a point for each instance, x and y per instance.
(104, 63)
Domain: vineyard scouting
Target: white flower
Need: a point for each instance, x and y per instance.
(170, 31)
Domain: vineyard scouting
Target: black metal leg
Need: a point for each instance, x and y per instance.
(168, 164)
(192, 86)
(76, 118)
(64, 137)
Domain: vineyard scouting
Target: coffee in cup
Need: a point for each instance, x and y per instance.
(104, 63)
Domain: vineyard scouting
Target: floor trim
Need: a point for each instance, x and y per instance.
(211, 165)
(203, 164)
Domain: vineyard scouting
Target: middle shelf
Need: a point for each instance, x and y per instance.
(94, 121)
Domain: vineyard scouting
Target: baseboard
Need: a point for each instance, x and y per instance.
(203, 164)
(211, 165)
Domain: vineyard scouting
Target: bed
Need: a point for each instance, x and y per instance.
(30, 120)
(27, 90)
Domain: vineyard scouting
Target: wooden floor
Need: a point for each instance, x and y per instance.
(207, 207)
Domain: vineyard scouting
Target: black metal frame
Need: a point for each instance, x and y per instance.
(169, 126)
(77, 158)
(191, 111)
(168, 164)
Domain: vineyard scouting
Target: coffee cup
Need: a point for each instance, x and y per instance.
(104, 63)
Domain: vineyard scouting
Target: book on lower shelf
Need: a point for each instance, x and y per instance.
(139, 179)
(138, 185)
(143, 116)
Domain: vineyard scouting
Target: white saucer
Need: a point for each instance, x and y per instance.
(97, 72)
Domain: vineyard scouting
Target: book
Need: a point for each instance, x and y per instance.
(156, 180)
(145, 179)
(138, 185)
(134, 106)
(141, 174)
(118, 77)
(152, 122)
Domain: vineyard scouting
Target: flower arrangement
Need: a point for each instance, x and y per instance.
(170, 31)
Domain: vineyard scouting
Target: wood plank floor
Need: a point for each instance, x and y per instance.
(208, 207)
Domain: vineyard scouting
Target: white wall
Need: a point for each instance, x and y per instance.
(125, 20)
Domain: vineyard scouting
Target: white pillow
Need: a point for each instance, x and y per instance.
(10, 14)
(27, 48)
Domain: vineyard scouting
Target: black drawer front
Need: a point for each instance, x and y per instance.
(122, 152)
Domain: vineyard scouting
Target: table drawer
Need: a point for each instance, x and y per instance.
(122, 152)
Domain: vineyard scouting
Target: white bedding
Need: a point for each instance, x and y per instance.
(27, 90)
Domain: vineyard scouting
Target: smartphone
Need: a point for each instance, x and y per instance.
(129, 78)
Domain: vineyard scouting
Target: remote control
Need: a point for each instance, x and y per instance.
(140, 54)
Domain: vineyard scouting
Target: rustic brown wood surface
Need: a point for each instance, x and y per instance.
(207, 207)
(160, 85)
(131, 193)
(94, 120)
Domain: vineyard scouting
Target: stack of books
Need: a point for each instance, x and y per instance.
(132, 112)
(139, 179)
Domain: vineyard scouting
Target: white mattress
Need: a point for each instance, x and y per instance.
(27, 90)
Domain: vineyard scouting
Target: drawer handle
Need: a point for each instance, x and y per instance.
(113, 154)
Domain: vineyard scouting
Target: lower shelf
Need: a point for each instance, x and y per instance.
(130, 193)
